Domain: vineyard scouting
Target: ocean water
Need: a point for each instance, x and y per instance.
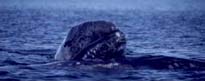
(30, 37)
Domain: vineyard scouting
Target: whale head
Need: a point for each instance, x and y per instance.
(92, 41)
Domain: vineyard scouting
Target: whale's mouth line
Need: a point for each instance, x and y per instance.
(78, 56)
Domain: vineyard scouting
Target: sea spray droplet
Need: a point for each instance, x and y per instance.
(176, 64)
(191, 65)
(170, 67)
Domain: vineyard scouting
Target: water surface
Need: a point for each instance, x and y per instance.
(29, 38)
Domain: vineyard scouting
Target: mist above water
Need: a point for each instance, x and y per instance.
(144, 5)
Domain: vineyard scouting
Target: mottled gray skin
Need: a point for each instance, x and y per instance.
(93, 41)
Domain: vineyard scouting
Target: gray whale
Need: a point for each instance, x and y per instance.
(102, 42)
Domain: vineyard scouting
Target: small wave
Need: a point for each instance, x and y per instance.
(3, 73)
(12, 62)
(9, 79)
(30, 51)
(165, 62)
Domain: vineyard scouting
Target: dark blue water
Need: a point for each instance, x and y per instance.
(29, 39)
